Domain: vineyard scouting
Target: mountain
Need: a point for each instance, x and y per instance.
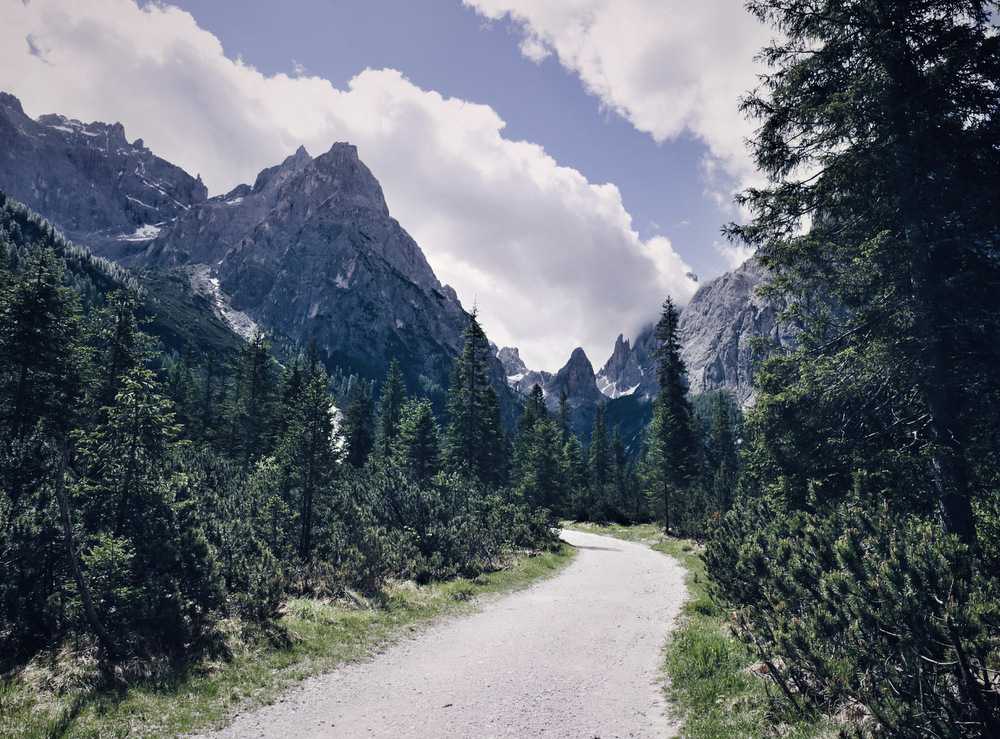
(89, 181)
(576, 378)
(167, 307)
(717, 329)
(519, 377)
(309, 251)
(719, 325)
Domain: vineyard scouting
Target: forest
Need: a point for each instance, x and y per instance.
(150, 492)
(851, 520)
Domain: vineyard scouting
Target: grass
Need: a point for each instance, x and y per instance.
(63, 694)
(710, 684)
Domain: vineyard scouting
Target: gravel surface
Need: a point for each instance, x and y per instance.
(575, 656)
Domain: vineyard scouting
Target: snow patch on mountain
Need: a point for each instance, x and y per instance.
(147, 232)
(207, 285)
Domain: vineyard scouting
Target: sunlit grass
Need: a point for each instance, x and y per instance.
(64, 694)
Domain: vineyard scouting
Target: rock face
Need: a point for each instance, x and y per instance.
(719, 325)
(577, 378)
(89, 181)
(327, 261)
(621, 374)
(519, 377)
(206, 233)
(717, 328)
(309, 251)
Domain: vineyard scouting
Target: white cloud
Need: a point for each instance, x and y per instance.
(552, 259)
(669, 67)
(734, 254)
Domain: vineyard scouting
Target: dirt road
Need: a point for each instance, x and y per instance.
(576, 656)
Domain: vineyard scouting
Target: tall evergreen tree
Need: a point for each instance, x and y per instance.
(564, 416)
(121, 346)
(722, 452)
(249, 409)
(359, 425)
(307, 452)
(880, 135)
(540, 471)
(390, 407)
(474, 443)
(672, 454)
(417, 446)
(41, 364)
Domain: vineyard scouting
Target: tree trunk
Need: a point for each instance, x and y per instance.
(74, 561)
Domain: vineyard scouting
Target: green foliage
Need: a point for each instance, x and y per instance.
(248, 412)
(417, 445)
(671, 464)
(860, 559)
(862, 606)
(149, 499)
(359, 425)
(390, 408)
(475, 445)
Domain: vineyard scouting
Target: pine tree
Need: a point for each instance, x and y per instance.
(540, 472)
(722, 453)
(390, 406)
(417, 447)
(670, 460)
(474, 443)
(359, 425)
(307, 453)
(879, 135)
(41, 365)
(183, 390)
(121, 346)
(249, 409)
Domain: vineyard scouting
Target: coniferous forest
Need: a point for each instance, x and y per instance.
(157, 480)
(152, 488)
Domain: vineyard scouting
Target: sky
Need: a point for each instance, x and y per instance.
(565, 165)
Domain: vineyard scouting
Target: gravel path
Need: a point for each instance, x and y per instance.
(575, 656)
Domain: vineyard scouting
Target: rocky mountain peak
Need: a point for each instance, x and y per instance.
(89, 181)
(719, 325)
(277, 175)
(512, 363)
(577, 378)
(623, 371)
(12, 103)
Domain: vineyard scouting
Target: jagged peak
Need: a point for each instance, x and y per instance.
(511, 360)
(10, 101)
(292, 163)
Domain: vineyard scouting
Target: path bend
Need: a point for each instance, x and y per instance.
(575, 656)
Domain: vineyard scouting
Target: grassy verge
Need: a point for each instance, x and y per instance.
(711, 685)
(63, 695)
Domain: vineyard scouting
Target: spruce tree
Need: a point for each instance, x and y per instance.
(390, 406)
(42, 362)
(417, 446)
(307, 453)
(474, 444)
(359, 425)
(722, 452)
(880, 139)
(672, 453)
(564, 416)
(249, 409)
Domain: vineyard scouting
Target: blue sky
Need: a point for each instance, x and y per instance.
(565, 164)
(444, 46)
